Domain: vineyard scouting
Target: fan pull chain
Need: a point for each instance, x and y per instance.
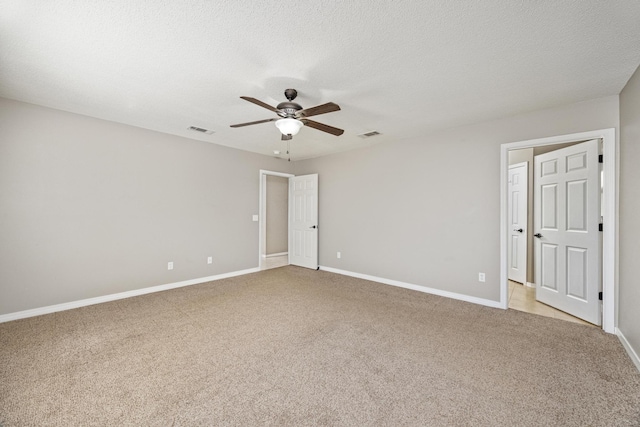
(288, 147)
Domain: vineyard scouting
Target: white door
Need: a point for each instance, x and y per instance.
(566, 226)
(517, 217)
(303, 218)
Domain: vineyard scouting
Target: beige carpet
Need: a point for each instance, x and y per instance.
(292, 346)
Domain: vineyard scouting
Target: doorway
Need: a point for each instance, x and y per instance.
(301, 221)
(609, 212)
(523, 294)
(273, 220)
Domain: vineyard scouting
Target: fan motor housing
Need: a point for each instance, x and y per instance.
(289, 108)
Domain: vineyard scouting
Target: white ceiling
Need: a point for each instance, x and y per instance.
(399, 67)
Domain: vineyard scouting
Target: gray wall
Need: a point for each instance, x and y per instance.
(426, 211)
(277, 220)
(90, 208)
(629, 284)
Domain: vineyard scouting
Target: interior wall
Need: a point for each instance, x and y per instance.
(277, 218)
(426, 211)
(629, 283)
(520, 156)
(90, 208)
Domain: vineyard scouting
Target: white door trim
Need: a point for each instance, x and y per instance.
(610, 215)
(262, 211)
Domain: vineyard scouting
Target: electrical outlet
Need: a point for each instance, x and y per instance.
(210, 260)
(170, 265)
(481, 277)
(338, 255)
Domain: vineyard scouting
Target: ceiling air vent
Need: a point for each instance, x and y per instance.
(369, 134)
(201, 130)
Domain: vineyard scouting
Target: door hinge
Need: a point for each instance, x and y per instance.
(600, 158)
(600, 296)
(599, 227)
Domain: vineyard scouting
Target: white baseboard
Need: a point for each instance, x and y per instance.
(425, 289)
(112, 297)
(630, 351)
(278, 254)
(530, 285)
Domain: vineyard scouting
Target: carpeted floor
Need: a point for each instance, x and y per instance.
(292, 346)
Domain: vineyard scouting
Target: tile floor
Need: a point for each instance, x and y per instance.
(274, 262)
(523, 298)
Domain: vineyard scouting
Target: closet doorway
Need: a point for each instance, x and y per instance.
(274, 219)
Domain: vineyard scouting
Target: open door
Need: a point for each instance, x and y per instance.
(303, 221)
(517, 217)
(566, 226)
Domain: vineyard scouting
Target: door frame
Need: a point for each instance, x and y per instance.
(262, 211)
(610, 215)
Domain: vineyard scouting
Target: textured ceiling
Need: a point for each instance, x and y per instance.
(399, 67)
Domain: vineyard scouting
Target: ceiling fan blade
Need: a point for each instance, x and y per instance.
(329, 107)
(254, 123)
(286, 137)
(323, 127)
(260, 103)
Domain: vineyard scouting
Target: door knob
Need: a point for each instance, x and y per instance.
(538, 235)
(519, 230)
(313, 226)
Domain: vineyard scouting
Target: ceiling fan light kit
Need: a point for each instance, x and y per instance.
(291, 116)
(289, 126)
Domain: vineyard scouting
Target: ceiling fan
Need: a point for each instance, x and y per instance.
(291, 116)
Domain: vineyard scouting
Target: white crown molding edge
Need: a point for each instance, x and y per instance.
(419, 288)
(121, 295)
